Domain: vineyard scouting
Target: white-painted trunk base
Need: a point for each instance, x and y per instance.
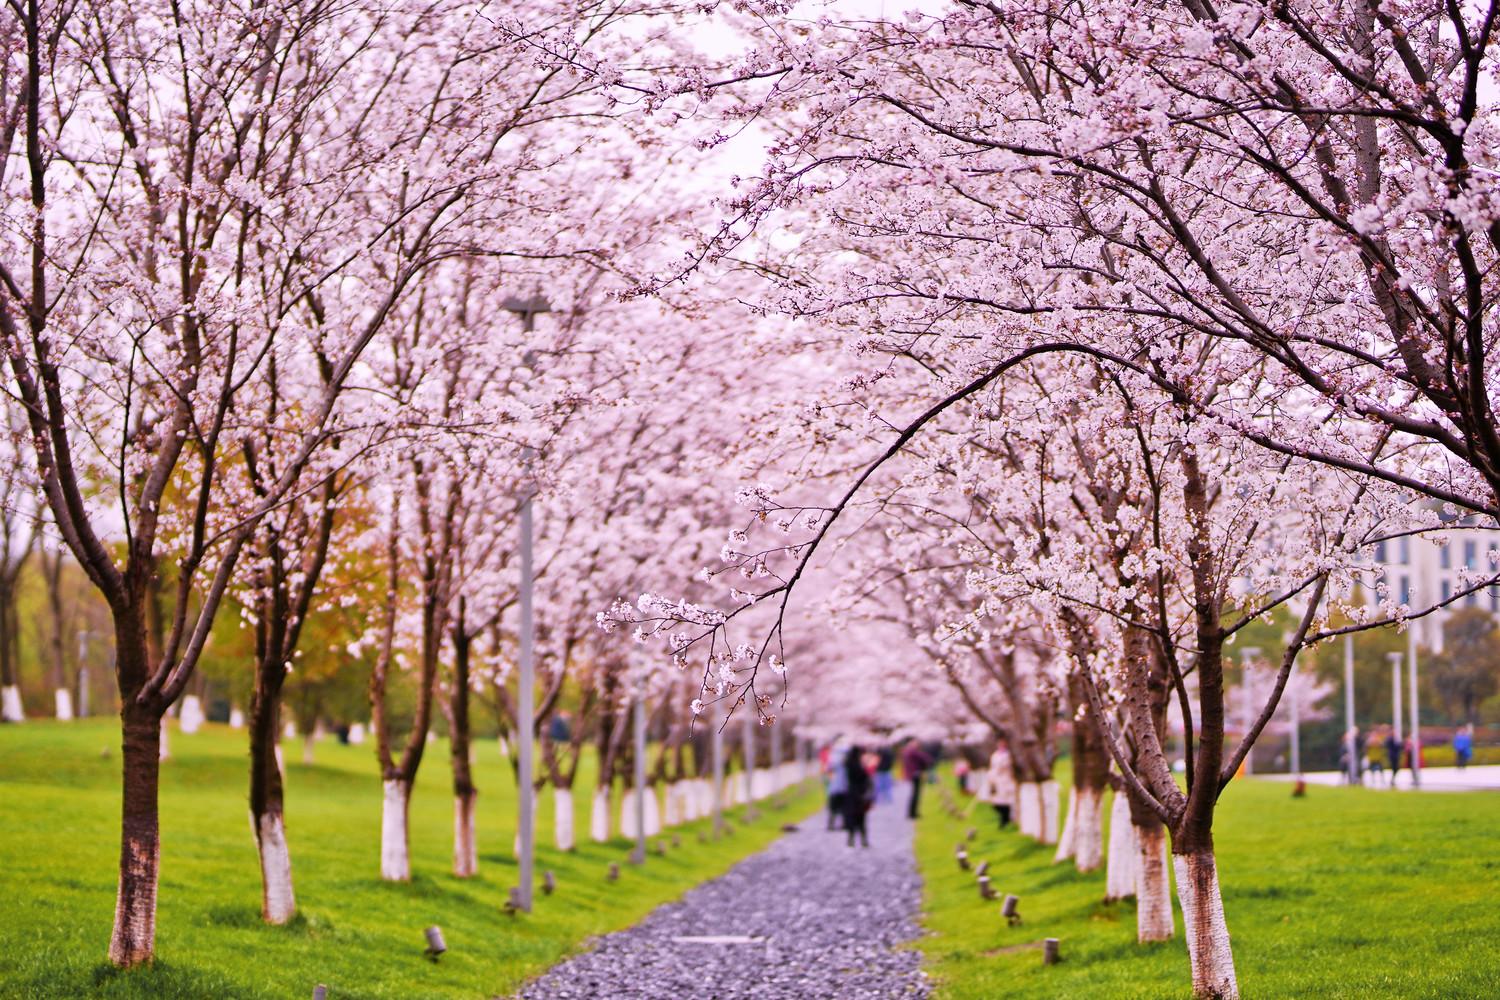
(1088, 828)
(465, 844)
(628, 827)
(278, 903)
(63, 703)
(674, 808)
(357, 734)
(1119, 875)
(236, 719)
(1050, 798)
(562, 818)
(280, 760)
(164, 745)
(190, 719)
(395, 854)
(1153, 885)
(1207, 933)
(1069, 831)
(652, 812)
(289, 731)
(1029, 809)
(10, 704)
(599, 816)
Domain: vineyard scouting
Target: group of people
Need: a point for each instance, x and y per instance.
(1383, 754)
(857, 778)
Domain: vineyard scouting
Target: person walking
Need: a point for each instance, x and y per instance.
(998, 786)
(1393, 755)
(914, 763)
(859, 795)
(838, 786)
(1463, 746)
(885, 784)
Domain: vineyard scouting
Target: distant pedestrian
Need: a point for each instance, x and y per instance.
(961, 770)
(838, 786)
(998, 787)
(859, 795)
(914, 762)
(1393, 756)
(885, 784)
(1463, 746)
(1349, 758)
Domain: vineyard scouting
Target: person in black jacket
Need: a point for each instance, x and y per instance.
(858, 797)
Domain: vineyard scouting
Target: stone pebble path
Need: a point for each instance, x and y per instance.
(809, 917)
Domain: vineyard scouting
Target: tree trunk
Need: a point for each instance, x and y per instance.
(599, 825)
(465, 852)
(1207, 933)
(10, 704)
(465, 848)
(1088, 828)
(652, 811)
(1153, 884)
(562, 818)
(1029, 809)
(1048, 793)
(267, 818)
(133, 941)
(672, 811)
(278, 900)
(1065, 843)
(627, 813)
(395, 851)
(309, 746)
(1119, 879)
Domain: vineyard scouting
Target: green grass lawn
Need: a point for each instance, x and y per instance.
(59, 848)
(1345, 893)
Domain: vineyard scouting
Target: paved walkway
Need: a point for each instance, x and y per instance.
(1476, 778)
(808, 917)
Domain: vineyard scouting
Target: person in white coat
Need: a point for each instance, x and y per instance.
(999, 785)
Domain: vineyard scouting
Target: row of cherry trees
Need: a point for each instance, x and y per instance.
(298, 302)
(1150, 320)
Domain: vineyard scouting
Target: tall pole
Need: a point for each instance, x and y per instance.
(1291, 689)
(1246, 655)
(1296, 724)
(748, 739)
(775, 737)
(1416, 723)
(526, 716)
(1349, 738)
(718, 756)
(1395, 659)
(638, 856)
(527, 310)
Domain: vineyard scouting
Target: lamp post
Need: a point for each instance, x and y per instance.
(1416, 723)
(638, 856)
(1349, 738)
(718, 760)
(1246, 655)
(1395, 661)
(749, 751)
(82, 708)
(527, 310)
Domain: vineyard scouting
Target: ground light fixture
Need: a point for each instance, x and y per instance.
(435, 943)
(1011, 909)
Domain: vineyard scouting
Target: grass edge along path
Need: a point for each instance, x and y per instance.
(363, 938)
(1347, 893)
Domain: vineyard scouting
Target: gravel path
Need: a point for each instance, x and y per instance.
(823, 921)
